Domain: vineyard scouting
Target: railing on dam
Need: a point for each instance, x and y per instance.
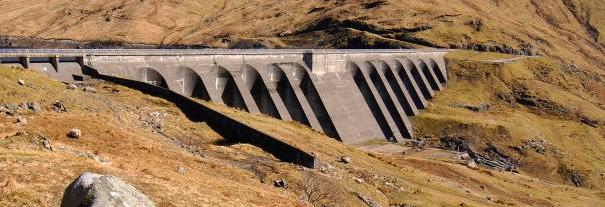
(176, 52)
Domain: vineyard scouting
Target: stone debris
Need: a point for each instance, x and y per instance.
(47, 145)
(74, 133)
(91, 189)
(58, 106)
(180, 169)
(472, 165)
(34, 106)
(20, 82)
(22, 105)
(480, 108)
(89, 89)
(72, 86)
(21, 120)
(8, 109)
(463, 156)
(576, 179)
(366, 200)
(280, 183)
(345, 159)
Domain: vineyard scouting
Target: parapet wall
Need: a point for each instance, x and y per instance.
(351, 95)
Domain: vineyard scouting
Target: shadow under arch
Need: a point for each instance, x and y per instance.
(288, 96)
(406, 64)
(437, 70)
(364, 89)
(191, 83)
(315, 102)
(259, 91)
(230, 93)
(151, 76)
(426, 71)
(387, 100)
(424, 89)
(399, 93)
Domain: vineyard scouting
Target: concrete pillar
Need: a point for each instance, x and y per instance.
(421, 81)
(55, 62)
(279, 104)
(429, 73)
(395, 69)
(25, 61)
(303, 102)
(408, 80)
(209, 81)
(383, 108)
(245, 92)
(401, 120)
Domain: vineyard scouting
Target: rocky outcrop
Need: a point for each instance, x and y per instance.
(96, 190)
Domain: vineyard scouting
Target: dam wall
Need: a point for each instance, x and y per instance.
(350, 95)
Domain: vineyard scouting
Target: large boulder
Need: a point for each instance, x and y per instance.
(95, 190)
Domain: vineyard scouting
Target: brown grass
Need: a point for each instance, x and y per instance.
(218, 173)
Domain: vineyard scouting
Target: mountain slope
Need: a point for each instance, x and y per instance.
(566, 30)
(146, 140)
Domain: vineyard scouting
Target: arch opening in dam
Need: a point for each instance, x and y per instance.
(260, 92)
(428, 74)
(437, 70)
(153, 77)
(364, 89)
(191, 84)
(387, 100)
(288, 96)
(230, 91)
(424, 88)
(404, 74)
(399, 92)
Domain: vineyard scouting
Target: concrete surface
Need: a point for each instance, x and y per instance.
(351, 95)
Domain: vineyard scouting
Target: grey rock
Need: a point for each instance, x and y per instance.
(345, 159)
(58, 106)
(89, 89)
(20, 82)
(472, 165)
(464, 156)
(280, 183)
(21, 120)
(96, 190)
(34, 106)
(359, 180)
(74, 133)
(367, 200)
(480, 108)
(180, 169)
(9, 109)
(21, 133)
(72, 86)
(47, 145)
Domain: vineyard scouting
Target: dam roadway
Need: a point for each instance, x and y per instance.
(350, 95)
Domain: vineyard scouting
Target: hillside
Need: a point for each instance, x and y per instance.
(565, 30)
(534, 124)
(146, 140)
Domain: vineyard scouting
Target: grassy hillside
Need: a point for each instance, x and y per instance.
(567, 31)
(144, 140)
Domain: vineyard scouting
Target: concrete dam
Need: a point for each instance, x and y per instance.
(350, 95)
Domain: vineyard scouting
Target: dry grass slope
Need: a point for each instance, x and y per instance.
(124, 136)
(565, 30)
